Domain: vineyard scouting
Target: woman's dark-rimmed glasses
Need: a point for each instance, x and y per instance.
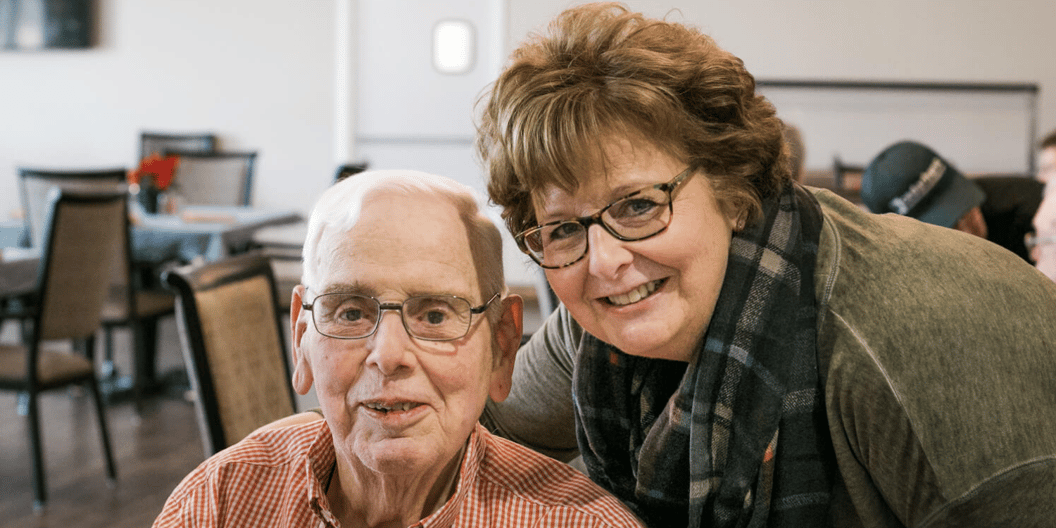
(637, 216)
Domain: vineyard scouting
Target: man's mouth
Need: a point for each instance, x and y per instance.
(391, 407)
(636, 294)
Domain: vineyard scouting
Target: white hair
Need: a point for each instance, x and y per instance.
(338, 210)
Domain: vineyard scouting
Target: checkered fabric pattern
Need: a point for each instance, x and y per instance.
(275, 478)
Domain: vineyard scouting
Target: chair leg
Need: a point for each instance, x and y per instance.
(149, 343)
(139, 368)
(104, 433)
(108, 370)
(39, 484)
(89, 348)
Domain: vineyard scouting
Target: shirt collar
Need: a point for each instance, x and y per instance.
(468, 472)
(322, 458)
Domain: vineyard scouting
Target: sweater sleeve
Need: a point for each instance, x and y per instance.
(538, 413)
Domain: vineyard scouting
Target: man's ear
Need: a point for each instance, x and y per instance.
(299, 321)
(507, 340)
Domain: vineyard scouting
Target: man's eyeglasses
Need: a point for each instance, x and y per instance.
(1032, 240)
(637, 216)
(426, 317)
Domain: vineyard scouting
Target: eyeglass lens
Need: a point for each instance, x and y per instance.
(432, 318)
(1032, 240)
(635, 217)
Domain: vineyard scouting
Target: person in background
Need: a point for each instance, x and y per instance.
(733, 349)
(911, 179)
(1042, 242)
(400, 396)
(1047, 158)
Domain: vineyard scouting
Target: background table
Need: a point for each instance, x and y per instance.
(201, 232)
(18, 271)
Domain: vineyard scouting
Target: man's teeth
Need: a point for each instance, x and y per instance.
(634, 295)
(405, 406)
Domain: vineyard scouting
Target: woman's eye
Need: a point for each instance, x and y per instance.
(633, 207)
(564, 231)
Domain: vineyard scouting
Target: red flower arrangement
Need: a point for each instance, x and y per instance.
(162, 168)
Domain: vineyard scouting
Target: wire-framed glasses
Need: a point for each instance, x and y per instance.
(426, 317)
(637, 216)
(1032, 240)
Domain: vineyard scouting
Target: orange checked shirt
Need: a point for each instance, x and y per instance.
(276, 478)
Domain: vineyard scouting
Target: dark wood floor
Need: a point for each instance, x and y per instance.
(153, 452)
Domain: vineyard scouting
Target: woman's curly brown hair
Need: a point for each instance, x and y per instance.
(604, 72)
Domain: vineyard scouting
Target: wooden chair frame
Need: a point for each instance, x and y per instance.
(190, 283)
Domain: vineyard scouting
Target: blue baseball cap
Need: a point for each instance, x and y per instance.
(910, 179)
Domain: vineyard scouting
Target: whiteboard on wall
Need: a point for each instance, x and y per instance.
(980, 128)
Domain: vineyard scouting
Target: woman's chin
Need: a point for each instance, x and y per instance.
(645, 340)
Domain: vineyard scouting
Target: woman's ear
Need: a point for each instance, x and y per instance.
(302, 366)
(507, 339)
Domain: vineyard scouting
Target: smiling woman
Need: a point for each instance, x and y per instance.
(742, 361)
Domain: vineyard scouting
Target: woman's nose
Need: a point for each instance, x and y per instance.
(390, 345)
(606, 254)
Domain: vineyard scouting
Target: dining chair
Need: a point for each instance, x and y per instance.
(847, 179)
(36, 183)
(233, 346)
(214, 178)
(132, 301)
(159, 142)
(82, 241)
(349, 169)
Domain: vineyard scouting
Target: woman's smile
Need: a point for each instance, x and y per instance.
(635, 295)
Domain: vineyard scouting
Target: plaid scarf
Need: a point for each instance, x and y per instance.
(738, 436)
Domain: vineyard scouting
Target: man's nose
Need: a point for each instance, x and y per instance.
(390, 345)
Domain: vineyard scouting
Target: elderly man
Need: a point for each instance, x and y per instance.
(404, 326)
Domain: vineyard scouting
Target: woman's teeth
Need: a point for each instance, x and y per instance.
(634, 295)
(405, 406)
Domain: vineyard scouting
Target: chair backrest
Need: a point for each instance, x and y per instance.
(233, 345)
(35, 185)
(159, 142)
(847, 179)
(1011, 202)
(217, 178)
(349, 169)
(84, 239)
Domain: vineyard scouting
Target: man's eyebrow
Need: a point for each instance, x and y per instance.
(348, 287)
(357, 288)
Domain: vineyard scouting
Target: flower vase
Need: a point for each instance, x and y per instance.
(148, 194)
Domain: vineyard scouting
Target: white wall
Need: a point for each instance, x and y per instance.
(261, 73)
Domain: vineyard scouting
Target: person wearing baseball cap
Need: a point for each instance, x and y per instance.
(910, 179)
